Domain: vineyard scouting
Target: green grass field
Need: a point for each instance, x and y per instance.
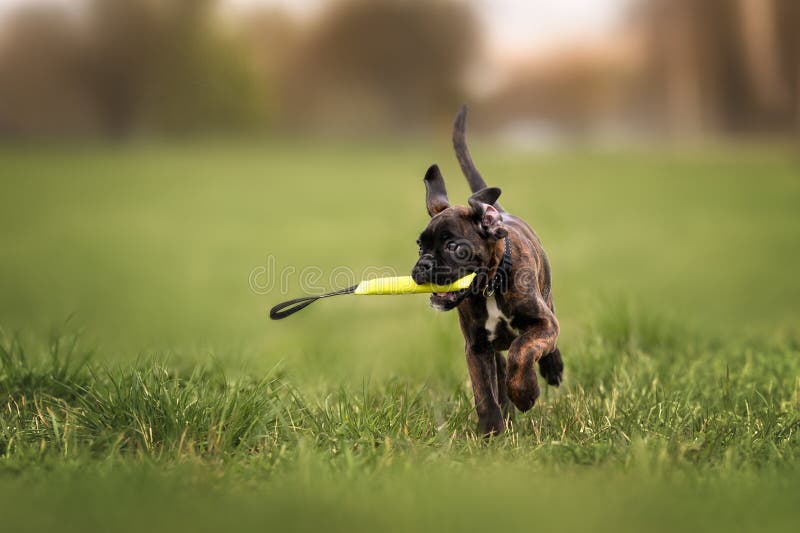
(142, 386)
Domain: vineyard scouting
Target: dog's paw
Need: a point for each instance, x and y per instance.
(523, 391)
(491, 426)
(551, 368)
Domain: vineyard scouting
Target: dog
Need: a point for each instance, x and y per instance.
(509, 305)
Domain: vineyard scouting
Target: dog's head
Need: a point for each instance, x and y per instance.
(458, 240)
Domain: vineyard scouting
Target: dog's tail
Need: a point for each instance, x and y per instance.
(474, 178)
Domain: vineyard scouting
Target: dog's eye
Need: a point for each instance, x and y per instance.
(451, 246)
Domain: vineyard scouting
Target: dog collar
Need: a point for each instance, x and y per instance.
(499, 282)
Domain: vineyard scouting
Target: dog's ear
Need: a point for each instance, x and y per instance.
(435, 192)
(489, 219)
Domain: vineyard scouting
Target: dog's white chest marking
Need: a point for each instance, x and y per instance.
(495, 315)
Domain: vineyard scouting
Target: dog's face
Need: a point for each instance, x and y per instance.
(458, 240)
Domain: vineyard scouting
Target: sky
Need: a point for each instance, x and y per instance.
(514, 27)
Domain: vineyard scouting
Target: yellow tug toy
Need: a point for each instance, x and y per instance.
(377, 286)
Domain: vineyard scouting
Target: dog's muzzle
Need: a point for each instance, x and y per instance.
(423, 270)
(426, 271)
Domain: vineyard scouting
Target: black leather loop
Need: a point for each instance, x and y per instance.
(284, 309)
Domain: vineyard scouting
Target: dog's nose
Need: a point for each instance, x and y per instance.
(421, 273)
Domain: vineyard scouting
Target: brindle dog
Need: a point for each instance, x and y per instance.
(509, 305)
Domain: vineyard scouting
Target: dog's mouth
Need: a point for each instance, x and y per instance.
(445, 301)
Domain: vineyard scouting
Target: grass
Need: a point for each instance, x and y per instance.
(167, 400)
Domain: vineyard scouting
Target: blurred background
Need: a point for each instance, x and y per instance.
(540, 71)
(170, 169)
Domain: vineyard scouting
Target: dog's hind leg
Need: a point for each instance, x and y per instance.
(551, 368)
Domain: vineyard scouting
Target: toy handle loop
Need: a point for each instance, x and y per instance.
(290, 307)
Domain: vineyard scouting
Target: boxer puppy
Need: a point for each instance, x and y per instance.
(509, 306)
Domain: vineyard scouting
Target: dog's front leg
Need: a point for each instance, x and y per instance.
(483, 375)
(502, 389)
(537, 340)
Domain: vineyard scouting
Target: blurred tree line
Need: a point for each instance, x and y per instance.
(723, 65)
(122, 67)
(675, 67)
(127, 67)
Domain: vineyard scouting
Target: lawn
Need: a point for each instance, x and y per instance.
(142, 385)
